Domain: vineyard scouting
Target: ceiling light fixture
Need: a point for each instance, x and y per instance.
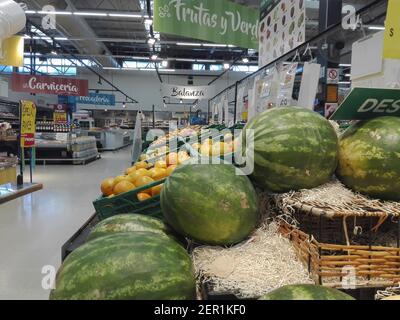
(376, 28)
(54, 52)
(344, 65)
(214, 45)
(181, 101)
(166, 70)
(124, 105)
(227, 66)
(65, 13)
(148, 21)
(189, 44)
(245, 60)
(30, 12)
(154, 57)
(124, 15)
(91, 14)
(164, 63)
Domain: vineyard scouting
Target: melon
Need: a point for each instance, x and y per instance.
(294, 148)
(127, 266)
(369, 158)
(210, 204)
(306, 292)
(127, 223)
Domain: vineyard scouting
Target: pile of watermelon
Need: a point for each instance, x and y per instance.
(127, 257)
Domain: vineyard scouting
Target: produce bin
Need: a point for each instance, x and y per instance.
(129, 203)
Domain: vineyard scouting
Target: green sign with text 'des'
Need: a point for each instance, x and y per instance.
(219, 21)
(366, 103)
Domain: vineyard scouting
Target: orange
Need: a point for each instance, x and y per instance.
(172, 158)
(119, 179)
(206, 150)
(171, 169)
(123, 186)
(141, 164)
(107, 186)
(143, 196)
(130, 170)
(161, 164)
(137, 174)
(151, 172)
(143, 181)
(159, 173)
(196, 146)
(155, 191)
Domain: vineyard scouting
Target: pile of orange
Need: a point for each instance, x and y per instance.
(141, 174)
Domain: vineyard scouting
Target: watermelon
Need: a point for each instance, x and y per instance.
(306, 292)
(127, 266)
(128, 223)
(210, 203)
(369, 158)
(294, 148)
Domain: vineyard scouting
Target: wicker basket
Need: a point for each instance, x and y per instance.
(330, 264)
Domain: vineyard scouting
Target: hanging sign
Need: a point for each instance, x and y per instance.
(49, 85)
(97, 99)
(365, 103)
(12, 52)
(28, 124)
(188, 92)
(219, 21)
(60, 115)
(392, 31)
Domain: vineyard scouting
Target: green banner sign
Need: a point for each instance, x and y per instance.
(365, 103)
(219, 21)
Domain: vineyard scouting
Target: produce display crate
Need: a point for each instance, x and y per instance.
(129, 203)
(336, 231)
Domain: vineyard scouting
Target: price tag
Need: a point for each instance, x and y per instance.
(392, 33)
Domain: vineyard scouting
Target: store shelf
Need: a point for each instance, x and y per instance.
(81, 161)
(11, 191)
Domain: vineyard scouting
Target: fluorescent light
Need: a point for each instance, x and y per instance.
(185, 60)
(206, 60)
(348, 75)
(154, 57)
(344, 65)
(227, 66)
(93, 14)
(125, 15)
(111, 68)
(105, 110)
(164, 63)
(61, 39)
(65, 13)
(344, 82)
(376, 28)
(189, 44)
(30, 12)
(54, 52)
(214, 45)
(167, 70)
(245, 60)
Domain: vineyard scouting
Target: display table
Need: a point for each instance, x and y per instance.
(113, 139)
(11, 191)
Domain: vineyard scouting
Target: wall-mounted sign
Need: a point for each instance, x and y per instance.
(332, 76)
(28, 124)
(365, 103)
(97, 99)
(12, 52)
(188, 92)
(49, 85)
(392, 32)
(219, 21)
(282, 28)
(60, 115)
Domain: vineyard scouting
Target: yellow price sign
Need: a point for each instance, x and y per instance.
(28, 124)
(60, 117)
(392, 33)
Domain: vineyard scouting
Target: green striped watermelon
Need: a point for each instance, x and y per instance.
(128, 223)
(369, 158)
(306, 292)
(210, 203)
(294, 148)
(127, 266)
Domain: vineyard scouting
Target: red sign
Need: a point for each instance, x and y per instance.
(49, 85)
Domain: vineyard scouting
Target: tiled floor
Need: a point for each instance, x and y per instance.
(33, 228)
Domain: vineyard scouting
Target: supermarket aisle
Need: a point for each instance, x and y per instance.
(33, 228)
